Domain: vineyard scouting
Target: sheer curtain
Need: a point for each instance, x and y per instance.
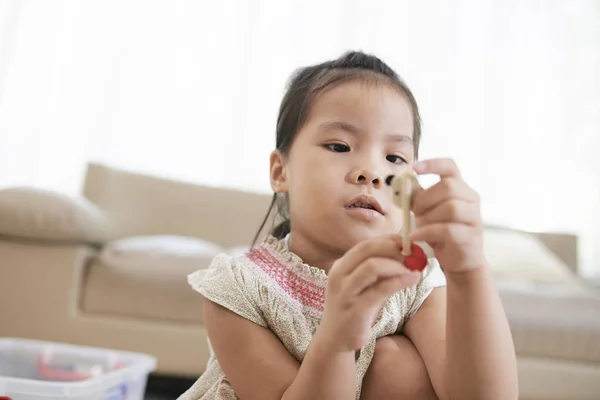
(190, 90)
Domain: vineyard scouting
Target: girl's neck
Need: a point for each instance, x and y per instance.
(313, 253)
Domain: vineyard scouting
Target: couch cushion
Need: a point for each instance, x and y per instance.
(552, 313)
(157, 252)
(146, 277)
(33, 213)
(519, 256)
(559, 321)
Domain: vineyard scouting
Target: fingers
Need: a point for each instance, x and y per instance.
(444, 190)
(450, 211)
(378, 293)
(443, 232)
(444, 167)
(388, 246)
(370, 272)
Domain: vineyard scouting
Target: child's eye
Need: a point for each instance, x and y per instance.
(338, 147)
(396, 159)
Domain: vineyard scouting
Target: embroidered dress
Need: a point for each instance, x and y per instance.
(274, 288)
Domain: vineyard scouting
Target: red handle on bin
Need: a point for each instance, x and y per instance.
(54, 374)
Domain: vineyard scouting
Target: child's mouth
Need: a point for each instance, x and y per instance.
(364, 208)
(365, 203)
(362, 205)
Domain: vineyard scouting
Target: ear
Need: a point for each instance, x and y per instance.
(279, 182)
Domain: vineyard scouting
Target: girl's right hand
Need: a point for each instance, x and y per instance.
(358, 285)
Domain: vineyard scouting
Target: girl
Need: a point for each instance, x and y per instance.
(324, 308)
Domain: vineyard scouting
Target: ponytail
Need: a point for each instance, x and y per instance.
(282, 229)
(279, 204)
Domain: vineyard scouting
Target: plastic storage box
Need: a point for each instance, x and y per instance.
(37, 370)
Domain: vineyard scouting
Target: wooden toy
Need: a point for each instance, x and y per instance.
(404, 187)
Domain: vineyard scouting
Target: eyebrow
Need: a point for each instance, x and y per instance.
(344, 126)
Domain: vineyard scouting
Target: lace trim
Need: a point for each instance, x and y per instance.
(278, 246)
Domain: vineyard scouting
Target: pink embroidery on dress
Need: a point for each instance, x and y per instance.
(306, 292)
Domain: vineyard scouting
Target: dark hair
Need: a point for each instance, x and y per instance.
(304, 87)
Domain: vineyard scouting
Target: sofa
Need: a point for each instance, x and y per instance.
(109, 268)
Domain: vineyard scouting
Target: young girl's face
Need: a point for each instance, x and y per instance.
(357, 134)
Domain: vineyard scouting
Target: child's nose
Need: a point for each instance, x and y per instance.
(366, 176)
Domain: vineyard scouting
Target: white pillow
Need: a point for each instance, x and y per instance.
(238, 250)
(519, 256)
(43, 214)
(158, 252)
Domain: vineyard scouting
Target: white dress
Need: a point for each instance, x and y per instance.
(271, 286)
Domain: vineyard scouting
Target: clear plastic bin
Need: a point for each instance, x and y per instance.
(38, 370)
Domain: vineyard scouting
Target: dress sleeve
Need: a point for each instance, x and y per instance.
(411, 299)
(227, 283)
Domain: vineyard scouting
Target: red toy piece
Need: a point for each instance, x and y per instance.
(417, 259)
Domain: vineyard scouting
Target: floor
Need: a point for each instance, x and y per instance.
(166, 388)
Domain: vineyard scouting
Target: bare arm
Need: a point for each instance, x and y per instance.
(463, 335)
(464, 338)
(259, 367)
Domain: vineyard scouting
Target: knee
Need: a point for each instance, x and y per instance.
(397, 371)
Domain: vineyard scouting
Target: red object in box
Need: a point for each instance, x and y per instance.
(67, 372)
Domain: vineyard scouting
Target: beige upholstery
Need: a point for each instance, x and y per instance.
(110, 297)
(543, 378)
(40, 292)
(141, 295)
(46, 215)
(555, 322)
(143, 205)
(43, 292)
(554, 318)
(552, 313)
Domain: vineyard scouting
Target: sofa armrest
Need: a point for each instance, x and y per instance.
(39, 286)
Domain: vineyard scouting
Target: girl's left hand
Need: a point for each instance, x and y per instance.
(448, 218)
